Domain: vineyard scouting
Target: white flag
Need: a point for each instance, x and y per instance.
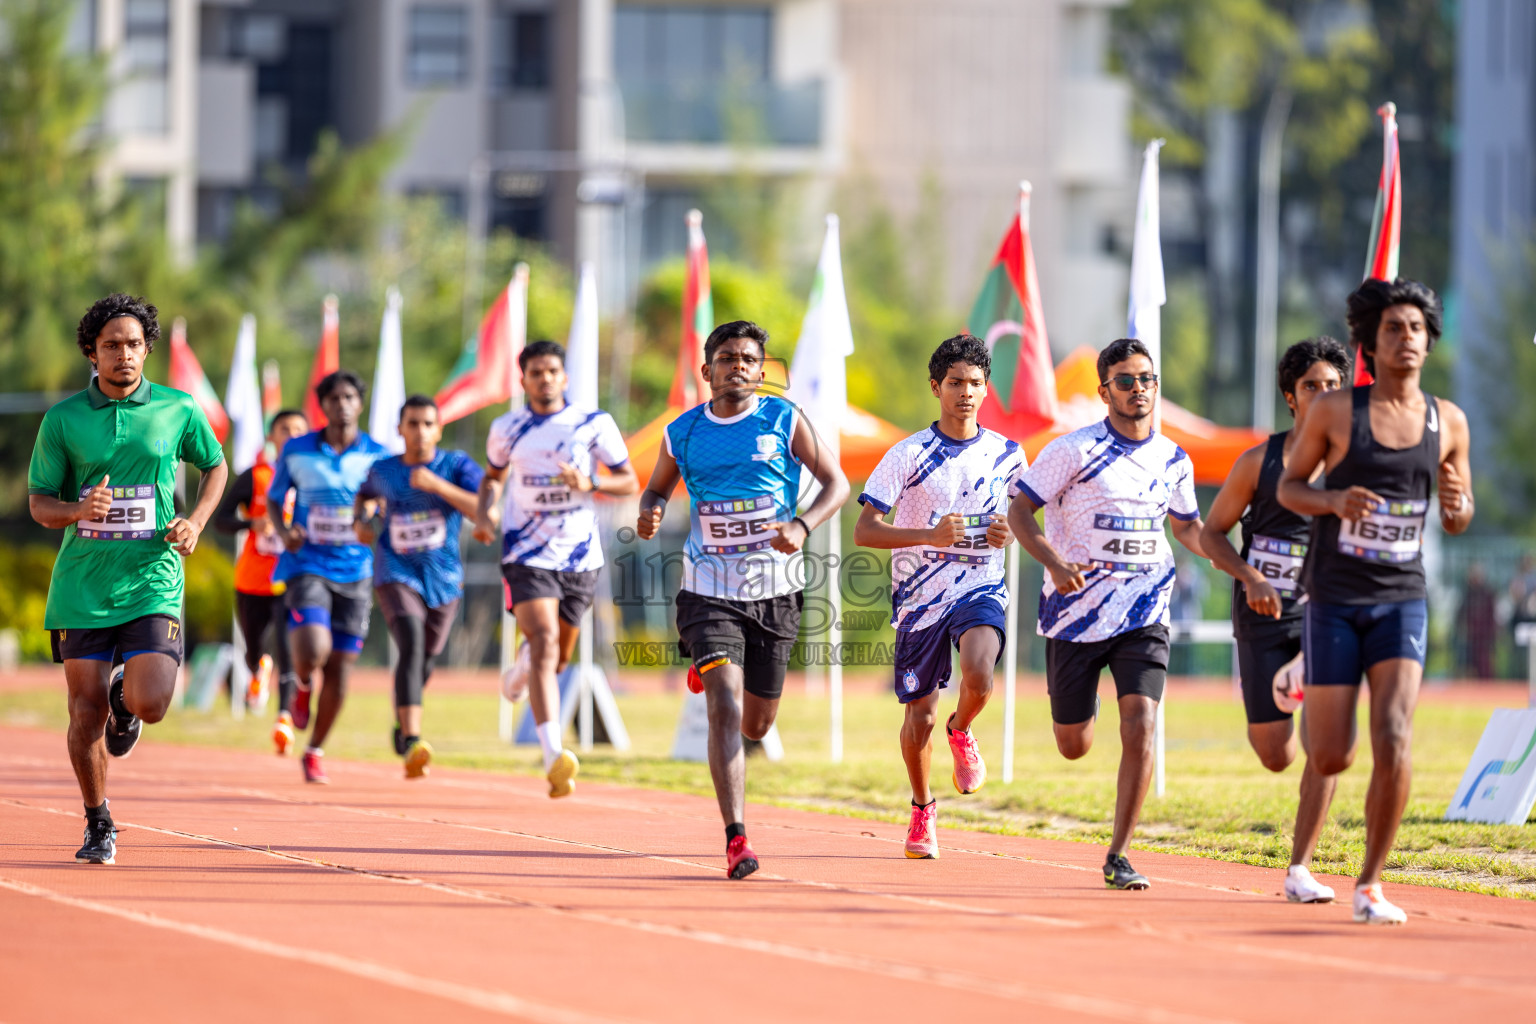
(388, 379)
(1148, 292)
(818, 377)
(242, 398)
(581, 346)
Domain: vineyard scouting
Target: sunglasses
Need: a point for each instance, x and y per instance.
(1126, 381)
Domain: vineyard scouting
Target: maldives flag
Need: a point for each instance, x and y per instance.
(1021, 399)
(327, 362)
(1386, 220)
(187, 375)
(487, 373)
(689, 388)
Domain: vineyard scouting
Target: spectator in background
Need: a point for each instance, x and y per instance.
(1477, 625)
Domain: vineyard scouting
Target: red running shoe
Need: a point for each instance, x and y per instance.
(301, 708)
(740, 861)
(314, 768)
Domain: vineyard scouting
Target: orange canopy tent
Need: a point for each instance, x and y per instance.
(1211, 447)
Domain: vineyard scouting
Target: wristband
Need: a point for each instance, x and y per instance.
(803, 526)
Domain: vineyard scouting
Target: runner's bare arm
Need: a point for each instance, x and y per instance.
(1455, 476)
(363, 507)
(1187, 532)
(616, 483)
(1067, 576)
(872, 531)
(49, 511)
(653, 500)
(1322, 440)
(1235, 496)
(817, 457)
(464, 502)
(488, 504)
(183, 533)
(234, 511)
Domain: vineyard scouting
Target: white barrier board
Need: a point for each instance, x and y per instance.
(1499, 786)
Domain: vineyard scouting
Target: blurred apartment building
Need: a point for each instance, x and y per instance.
(1494, 209)
(593, 125)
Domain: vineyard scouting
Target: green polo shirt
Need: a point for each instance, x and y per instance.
(119, 568)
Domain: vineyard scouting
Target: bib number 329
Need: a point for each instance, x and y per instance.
(131, 517)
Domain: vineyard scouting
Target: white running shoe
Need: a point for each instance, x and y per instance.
(1301, 887)
(1371, 907)
(514, 681)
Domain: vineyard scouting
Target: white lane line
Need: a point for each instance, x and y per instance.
(1099, 1006)
(478, 998)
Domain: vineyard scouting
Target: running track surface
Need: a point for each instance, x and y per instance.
(241, 894)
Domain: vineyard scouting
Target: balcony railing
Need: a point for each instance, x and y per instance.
(760, 113)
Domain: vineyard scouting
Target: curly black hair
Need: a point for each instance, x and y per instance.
(735, 329)
(542, 347)
(1298, 359)
(1374, 297)
(331, 381)
(962, 348)
(110, 308)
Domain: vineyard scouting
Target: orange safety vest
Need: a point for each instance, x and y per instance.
(258, 558)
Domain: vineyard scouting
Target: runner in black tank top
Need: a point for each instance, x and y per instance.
(1382, 447)
(1266, 613)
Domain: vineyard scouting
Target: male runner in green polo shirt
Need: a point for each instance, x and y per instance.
(104, 471)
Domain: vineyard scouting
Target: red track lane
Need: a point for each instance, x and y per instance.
(241, 892)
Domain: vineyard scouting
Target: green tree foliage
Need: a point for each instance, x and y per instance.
(1511, 504)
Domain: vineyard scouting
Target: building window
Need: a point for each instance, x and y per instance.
(653, 43)
(143, 97)
(449, 198)
(438, 52)
(520, 50)
(81, 36)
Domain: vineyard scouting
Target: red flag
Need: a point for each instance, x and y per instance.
(187, 375)
(488, 373)
(327, 362)
(1386, 220)
(1008, 316)
(689, 388)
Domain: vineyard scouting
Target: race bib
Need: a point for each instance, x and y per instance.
(1127, 544)
(542, 495)
(971, 549)
(734, 527)
(131, 517)
(330, 524)
(1278, 561)
(1392, 533)
(413, 532)
(268, 544)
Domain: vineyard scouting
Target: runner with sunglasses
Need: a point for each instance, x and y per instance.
(1381, 447)
(1266, 588)
(1107, 490)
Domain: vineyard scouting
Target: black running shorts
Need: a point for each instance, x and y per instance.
(149, 634)
(1259, 657)
(757, 635)
(573, 590)
(1138, 660)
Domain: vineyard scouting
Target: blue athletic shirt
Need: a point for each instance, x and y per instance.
(419, 542)
(1106, 499)
(325, 483)
(924, 478)
(741, 475)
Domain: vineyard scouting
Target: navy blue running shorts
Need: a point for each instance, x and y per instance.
(1342, 641)
(923, 655)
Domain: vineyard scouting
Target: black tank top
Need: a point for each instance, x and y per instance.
(1378, 558)
(1274, 542)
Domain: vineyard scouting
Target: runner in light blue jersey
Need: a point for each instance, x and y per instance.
(738, 612)
(418, 572)
(945, 490)
(328, 571)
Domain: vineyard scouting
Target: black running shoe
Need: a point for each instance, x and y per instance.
(122, 733)
(399, 741)
(100, 843)
(1118, 874)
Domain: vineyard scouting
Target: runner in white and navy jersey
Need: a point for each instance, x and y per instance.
(1107, 490)
(1267, 593)
(945, 490)
(738, 613)
(1381, 448)
(418, 572)
(549, 452)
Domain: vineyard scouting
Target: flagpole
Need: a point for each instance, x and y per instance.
(1011, 615)
(517, 329)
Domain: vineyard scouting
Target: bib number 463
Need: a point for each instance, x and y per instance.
(1131, 546)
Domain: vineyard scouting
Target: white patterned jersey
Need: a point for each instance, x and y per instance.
(924, 478)
(1106, 498)
(544, 523)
